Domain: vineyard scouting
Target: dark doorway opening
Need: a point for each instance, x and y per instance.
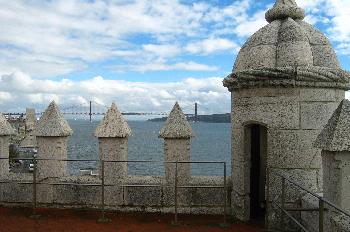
(258, 150)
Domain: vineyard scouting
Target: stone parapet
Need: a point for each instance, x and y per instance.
(177, 134)
(113, 133)
(5, 131)
(85, 192)
(52, 133)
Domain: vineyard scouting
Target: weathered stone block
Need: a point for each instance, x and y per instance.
(324, 56)
(4, 153)
(146, 196)
(293, 149)
(256, 57)
(264, 92)
(113, 149)
(337, 177)
(241, 177)
(54, 148)
(19, 193)
(305, 177)
(177, 150)
(238, 145)
(77, 195)
(340, 223)
(310, 219)
(277, 115)
(321, 95)
(297, 53)
(316, 115)
(240, 206)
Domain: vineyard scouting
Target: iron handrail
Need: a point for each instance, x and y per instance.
(102, 205)
(291, 217)
(284, 211)
(118, 161)
(311, 193)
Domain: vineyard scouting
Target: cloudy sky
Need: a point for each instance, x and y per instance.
(142, 54)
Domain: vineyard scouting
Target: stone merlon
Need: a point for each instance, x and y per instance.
(52, 123)
(5, 127)
(113, 125)
(176, 126)
(336, 134)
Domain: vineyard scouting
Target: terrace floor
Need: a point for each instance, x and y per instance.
(59, 220)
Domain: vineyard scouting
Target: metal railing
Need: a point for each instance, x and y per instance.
(284, 211)
(102, 207)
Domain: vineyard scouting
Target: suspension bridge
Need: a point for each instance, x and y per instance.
(95, 109)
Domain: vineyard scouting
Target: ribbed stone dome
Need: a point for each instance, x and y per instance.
(289, 52)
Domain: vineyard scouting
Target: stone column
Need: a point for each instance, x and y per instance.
(29, 140)
(334, 140)
(112, 134)
(52, 133)
(30, 119)
(5, 131)
(177, 134)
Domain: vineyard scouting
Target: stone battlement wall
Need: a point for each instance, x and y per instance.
(56, 188)
(85, 192)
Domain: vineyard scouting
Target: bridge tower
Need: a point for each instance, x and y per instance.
(90, 112)
(196, 112)
(285, 84)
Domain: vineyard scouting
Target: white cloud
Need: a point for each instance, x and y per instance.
(18, 91)
(159, 65)
(251, 24)
(162, 50)
(339, 15)
(50, 38)
(212, 45)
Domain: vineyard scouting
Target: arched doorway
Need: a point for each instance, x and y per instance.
(256, 148)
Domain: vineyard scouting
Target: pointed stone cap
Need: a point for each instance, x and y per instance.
(284, 9)
(5, 126)
(113, 125)
(335, 136)
(176, 126)
(52, 123)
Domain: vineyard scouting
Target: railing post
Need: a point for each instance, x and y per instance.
(283, 199)
(225, 195)
(175, 194)
(224, 224)
(321, 215)
(103, 219)
(34, 214)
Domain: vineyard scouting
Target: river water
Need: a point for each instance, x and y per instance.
(212, 143)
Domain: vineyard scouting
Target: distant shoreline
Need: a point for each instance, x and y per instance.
(213, 118)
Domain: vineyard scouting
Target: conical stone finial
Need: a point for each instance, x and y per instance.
(5, 127)
(336, 134)
(284, 9)
(52, 123)
(113, 125)
(176, 126)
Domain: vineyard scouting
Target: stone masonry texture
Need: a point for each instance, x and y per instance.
(287, 79)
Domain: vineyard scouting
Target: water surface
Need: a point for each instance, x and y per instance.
(212, 143)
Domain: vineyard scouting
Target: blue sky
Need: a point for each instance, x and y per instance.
(142, 54)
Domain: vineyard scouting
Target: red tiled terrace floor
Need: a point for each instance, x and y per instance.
(58, 220)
